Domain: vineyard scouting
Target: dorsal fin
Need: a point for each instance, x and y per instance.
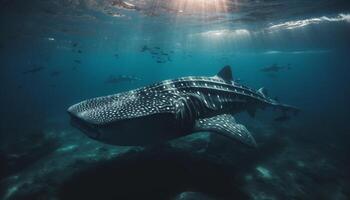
(225, 73)
(262, 91)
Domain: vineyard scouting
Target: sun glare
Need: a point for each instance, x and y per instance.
(200, 6)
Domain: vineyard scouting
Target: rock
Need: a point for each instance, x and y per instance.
(84, 169)
(42, 177)
(192, 196)
(199, 166)
(16, 155)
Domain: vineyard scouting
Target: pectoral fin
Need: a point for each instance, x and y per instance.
(226, 126)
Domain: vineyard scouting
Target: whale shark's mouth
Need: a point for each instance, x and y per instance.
(89, 129)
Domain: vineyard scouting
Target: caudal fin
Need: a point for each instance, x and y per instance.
(287, 108)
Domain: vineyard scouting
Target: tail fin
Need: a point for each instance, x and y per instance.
(287, 108)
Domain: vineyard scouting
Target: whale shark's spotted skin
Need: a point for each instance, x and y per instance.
(240, 132)
(186, 104)
(164, 97)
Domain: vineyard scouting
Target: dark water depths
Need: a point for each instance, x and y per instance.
(57, 53)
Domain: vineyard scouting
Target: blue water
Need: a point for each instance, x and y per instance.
(80, 44)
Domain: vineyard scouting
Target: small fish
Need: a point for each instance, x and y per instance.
(33, 70)
(121, 78)
(144, 48)
(80, 51)
(55, 73)
(74, 44)
(77, 61)
(274, 68)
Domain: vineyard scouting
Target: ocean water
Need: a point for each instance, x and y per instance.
(56, 53)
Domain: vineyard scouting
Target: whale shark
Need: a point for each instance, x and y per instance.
(171, 109)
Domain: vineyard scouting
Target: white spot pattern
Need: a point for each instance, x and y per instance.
(227, 126)
(125, 105)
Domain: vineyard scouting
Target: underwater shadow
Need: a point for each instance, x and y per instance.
(156, 173)
(162, 172)
(21, 153)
